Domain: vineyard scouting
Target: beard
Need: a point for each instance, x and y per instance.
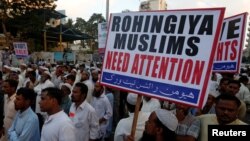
(94, 79)
(147, 137)
(97, 93)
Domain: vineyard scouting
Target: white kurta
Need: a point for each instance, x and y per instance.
(58, 127)
(9, 114)
(104, 110)
(91, 87)
(85, 121)
(38, 89)
(124, 126)
(151, 105)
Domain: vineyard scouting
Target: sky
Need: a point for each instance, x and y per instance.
(85, 8)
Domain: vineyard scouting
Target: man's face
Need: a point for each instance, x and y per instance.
(233, 88)
(14, 75)
(226, 111)
(94, 75)
(20, 102)
(44, 77)
(84, 76)
(150, 125)
(223, 86)
(6, 88)
(98, 90)
(76, 95)
(181, 107)
(46, 102)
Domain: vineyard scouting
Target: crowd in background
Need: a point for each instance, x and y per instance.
(57, 102)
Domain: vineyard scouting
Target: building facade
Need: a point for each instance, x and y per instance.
(153, 5)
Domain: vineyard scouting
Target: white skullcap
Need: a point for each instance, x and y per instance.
(167, 118)
(66, 84)
(132, 98)
(29, 69)
(48, 73)
(74, 70)
(23, 65)
(213, 85)
(7, 67)
(244, 74)
(13, 69)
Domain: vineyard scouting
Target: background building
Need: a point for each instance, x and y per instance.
(153, 5)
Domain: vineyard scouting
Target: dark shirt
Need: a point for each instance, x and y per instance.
(1, 108)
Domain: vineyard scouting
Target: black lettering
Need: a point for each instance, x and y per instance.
(193, 21)
(120, 41)
(170, 24)
(231, 29)
(182, 24)
(116, 23)
(126, 23)
(144, 44)
(156, 24)
(162, 44)
(146, 26)
(193, 50)
(137, 24)
(132, 41)
(152, 44)
(175, 45)
(206, 25)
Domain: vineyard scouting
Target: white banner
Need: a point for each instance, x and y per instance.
(163, 54)
(230, 47)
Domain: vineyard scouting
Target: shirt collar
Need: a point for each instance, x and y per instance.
(51, 117)
(24, 112)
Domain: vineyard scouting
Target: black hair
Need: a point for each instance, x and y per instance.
(27, 93)
(226, 96)
(71, 77)
(83, 88)
(223, 80)
(243, 79)
(54, 93)
(234, 82)
(13, 83)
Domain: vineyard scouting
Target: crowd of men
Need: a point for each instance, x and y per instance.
(68, 103)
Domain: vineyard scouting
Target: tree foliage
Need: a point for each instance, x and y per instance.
(90, 27)
(24, 17)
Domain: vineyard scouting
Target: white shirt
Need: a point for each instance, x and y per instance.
(91, 87)
(151, 105)
(244, 94)
(104, 110)
(85, 121)
(9, 113)
(124, 126)
(58, 127)
(38, 89)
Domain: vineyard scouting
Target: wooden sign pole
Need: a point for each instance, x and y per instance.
(137, 108)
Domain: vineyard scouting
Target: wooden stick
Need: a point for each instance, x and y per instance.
(136, 113)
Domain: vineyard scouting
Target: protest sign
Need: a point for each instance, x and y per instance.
(163, 54)
(229, 49)
(102, 36)
(21, 49)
